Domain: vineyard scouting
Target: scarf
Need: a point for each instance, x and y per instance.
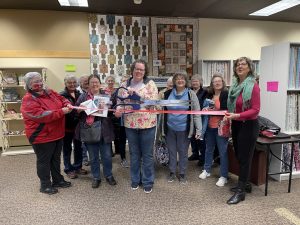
(246, 88)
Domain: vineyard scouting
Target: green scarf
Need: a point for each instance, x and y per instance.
(246, 87)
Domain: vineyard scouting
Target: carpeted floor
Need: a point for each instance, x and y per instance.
(198, 202)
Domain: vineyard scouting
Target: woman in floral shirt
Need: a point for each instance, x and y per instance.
(140, 128)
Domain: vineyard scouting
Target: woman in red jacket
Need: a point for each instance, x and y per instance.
(44, 112)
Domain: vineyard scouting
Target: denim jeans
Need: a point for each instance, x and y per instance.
(67, 152)
(85, 156)
(105, 151)
(141, 155)
(212, 138)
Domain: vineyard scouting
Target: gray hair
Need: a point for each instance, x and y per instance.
(197, 77)
(110, 76)
(70, 77)
(28, 77)
(170, 79)
(83, 76)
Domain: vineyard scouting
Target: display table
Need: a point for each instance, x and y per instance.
(268, 142)
(258, 167)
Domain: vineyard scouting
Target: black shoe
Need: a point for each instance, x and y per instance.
(248, 188)
(49, 190)
(236, 198)
(111, 180)
(96, 183)
(62, 184)
(200, 163)
(193, 157)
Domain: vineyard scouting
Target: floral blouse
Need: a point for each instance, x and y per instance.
(141, 120)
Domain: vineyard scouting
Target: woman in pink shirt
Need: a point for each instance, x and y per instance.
(243, 106)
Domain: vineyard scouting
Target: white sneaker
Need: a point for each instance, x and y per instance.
(204, 175)
(221, 182)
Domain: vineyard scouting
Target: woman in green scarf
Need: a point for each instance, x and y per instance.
(243, 109)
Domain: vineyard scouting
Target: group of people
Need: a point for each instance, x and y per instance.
(52, 124)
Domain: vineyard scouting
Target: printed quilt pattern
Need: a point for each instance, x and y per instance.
(116, 42)
(174, 43)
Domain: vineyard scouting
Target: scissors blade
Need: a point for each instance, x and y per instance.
(171, 102)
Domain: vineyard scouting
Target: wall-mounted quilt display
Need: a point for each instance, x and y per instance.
(115, 42)
(174, 43)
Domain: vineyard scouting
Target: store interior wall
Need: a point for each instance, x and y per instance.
(223, 39)
(67, 32)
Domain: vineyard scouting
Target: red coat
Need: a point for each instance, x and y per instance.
(43, 116)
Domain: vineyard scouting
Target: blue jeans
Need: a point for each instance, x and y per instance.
(67, 152)
(141, 155)
(212, 138)
(105, 151)
(85, 157)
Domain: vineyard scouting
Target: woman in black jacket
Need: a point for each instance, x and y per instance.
(71, 120)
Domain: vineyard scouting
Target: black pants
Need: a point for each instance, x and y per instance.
(120, 140)
(67, 152)
(244, 135)
(48, 162)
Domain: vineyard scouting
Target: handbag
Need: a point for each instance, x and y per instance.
(267, 125)
(161, 152)
(90, 133)
(224, 128)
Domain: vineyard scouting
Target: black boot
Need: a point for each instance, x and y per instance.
(237, 197)
(248, 188)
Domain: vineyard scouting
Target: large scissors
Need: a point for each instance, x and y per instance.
(136, 102)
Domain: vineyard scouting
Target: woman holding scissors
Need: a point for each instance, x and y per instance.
(140, 128)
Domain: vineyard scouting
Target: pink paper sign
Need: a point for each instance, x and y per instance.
(272, 86)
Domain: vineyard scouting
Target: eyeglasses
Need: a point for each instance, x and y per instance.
(37, 81)
(241, 64)
(217, 81)
(138, 69)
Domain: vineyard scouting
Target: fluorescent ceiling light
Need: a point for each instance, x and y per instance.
(276, 7)
(78, 3)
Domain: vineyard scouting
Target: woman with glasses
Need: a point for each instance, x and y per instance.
(102, 146)
(243, 106)
(70, 143)
(179, 128)
(140, 127)
(216, 100)
(44, 112)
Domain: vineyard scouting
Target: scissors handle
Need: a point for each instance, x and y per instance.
(129, 106)
(134, 96)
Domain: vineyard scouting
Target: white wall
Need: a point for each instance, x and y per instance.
(230, 39)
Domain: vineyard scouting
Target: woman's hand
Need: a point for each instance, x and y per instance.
(118, 113)
(66, 110)
(80, 110)
(231, 116)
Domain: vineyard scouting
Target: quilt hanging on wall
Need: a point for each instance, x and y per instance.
(174, 44)
(116, 42)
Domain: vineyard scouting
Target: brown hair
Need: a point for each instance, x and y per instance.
(210, 89)
(180, 74)
(142, 62)
(248, 61)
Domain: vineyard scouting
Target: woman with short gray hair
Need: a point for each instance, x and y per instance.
(44, 112)
(72, 94)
